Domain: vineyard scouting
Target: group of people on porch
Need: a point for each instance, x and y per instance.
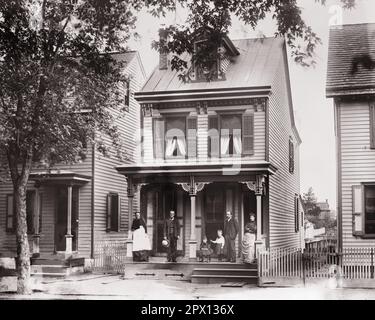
(223, 246)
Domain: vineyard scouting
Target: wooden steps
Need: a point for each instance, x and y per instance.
(224, 273)
(57, 267)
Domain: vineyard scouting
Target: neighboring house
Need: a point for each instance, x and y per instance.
(351, 84)
(325, 211)
(227, 144)
(70, 207)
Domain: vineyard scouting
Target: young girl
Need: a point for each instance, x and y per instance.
(220, 243)
(205, 250)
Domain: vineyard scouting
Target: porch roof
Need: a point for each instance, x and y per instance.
(215, 170)
(59, 177)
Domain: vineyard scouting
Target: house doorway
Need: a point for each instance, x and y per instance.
(62, 218)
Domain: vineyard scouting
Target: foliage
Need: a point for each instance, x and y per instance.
(310, 201)
(211, 19)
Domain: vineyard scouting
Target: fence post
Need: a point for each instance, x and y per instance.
(303, 267)
(372, 263)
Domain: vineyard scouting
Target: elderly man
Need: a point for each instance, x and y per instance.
(172, 233)
(230, 233)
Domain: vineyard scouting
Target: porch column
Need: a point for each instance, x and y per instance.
(259, 190)
(193, 239)
(129, 240)
(36, 235)
(69, 236)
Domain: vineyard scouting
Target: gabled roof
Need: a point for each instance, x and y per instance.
(351, 60)
(128, 58)
(254, 67)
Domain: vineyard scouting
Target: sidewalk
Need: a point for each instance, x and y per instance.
(104, 287)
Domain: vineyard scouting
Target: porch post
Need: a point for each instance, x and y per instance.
(129, 240)
(36, 235)
(69, 236)
(193, 239)
(259, 190)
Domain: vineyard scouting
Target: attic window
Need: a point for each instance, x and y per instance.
(212, 68)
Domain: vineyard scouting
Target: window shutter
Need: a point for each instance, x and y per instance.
(11, 218)
(109, 206)
(118, 213)
(127, 93)
(159, 133)
(192, 137)
(372, 125)
(248, 134)
(40, 212)
(358, 212)
(291, 156)
(213, 137)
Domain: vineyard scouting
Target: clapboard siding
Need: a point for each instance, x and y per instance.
(283, 185)
(357, 162)
(107, 179)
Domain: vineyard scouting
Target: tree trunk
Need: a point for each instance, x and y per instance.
(23, 252)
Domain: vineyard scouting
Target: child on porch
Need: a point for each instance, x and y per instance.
(205, 250)
(220, 243)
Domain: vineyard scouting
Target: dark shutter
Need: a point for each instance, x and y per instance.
(291, 156)
(213, 137)
(248, 134)
(10, 216)
(40, 212)
(127, 93)
(109, 206)
(296, 213)
(30, 207)
(372, 125)
(192, 137)
(159, 133)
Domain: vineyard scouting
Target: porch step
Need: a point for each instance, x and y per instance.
(225, 273)
(215, 278)
(56, 266)
(49, 275)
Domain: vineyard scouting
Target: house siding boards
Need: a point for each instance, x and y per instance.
(357, 162)
(283, 185)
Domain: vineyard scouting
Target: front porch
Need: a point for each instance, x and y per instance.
(200, 195)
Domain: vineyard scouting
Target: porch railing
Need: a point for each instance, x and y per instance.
(110, 256)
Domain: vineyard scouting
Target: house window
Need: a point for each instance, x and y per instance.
(127, 95)
(291, 156)
(231, 135)
(369, 220)
(296, 213)
(113, 212)
(175, 143)
(30, 212)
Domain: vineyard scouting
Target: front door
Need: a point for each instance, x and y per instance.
(62, 218)
(214, 210)
(166, 200)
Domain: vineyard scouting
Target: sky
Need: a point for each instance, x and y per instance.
(314, 114)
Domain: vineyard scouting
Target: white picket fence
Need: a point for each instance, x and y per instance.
(351, 263)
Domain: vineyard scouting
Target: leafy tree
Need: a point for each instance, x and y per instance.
(55, 63)
(310, 201)
(211, 19)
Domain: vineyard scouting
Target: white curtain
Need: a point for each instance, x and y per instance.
(237, 143)
(181, 145)
(224, 144)
(171, 147)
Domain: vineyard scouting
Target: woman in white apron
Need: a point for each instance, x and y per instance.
(141, 242)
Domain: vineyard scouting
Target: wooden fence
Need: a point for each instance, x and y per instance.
(351, 263)
(110, 256)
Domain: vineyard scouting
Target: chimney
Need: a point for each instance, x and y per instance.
(163, 56)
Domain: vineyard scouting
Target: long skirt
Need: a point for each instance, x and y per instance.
(141, 245)
(247, 248)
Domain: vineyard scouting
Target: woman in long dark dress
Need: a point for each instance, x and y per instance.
(141, 243)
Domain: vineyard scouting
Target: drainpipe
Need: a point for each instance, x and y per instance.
(92, 199)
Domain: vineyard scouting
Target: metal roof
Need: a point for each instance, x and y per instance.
(255, 66)
(351, 47)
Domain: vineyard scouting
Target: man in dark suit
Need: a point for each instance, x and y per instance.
(172, 233)
(230, 233)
